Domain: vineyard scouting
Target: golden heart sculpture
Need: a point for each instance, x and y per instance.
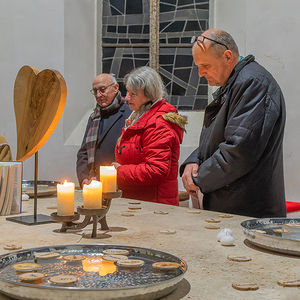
(39, 101)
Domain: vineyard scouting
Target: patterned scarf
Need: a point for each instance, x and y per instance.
(136, 115)
(92, 134)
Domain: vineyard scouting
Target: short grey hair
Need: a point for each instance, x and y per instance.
(148, 80)
(225, 38)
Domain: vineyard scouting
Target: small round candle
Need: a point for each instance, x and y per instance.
(108, 177)
(92, 195)
(65, 198)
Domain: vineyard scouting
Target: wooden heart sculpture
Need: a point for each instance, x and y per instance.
(39, 101)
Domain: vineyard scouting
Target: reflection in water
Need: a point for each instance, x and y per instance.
(107, 267)
(97, 264)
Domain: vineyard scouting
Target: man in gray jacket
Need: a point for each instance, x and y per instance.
(238, 165)
(103, 129)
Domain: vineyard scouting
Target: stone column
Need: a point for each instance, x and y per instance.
(154, 34)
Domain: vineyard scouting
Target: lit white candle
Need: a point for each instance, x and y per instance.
(108, 177)
(65, 198)
(92, 195)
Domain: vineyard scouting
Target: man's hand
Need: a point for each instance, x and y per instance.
(190, 170)
(88, 181)
(115, 164)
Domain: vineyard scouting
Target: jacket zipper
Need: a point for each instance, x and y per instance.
(119, 151)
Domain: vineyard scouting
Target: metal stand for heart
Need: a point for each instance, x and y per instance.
(34, 219)
(97, 216)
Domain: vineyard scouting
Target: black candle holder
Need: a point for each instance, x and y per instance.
(97, 215)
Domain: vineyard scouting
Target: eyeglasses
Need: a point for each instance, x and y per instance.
(200, 39)
(101, 89)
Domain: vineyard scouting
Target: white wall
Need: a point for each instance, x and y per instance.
(57, 35)
(268, 29)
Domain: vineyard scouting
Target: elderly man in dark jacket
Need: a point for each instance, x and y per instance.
(238, 165)
(103, 129)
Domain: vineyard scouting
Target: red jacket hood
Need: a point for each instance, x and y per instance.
(168, 112)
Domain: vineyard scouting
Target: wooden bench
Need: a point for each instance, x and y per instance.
(183, 196)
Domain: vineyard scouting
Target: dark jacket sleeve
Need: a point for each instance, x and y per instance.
(252, 115)
(82, 169)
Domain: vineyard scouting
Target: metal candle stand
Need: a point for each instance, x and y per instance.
(98, 215)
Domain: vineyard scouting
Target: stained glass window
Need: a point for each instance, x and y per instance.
(125, 45)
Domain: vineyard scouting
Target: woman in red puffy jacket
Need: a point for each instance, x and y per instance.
(148, 150)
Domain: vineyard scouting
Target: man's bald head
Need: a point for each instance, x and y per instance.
(222, 37)
(216, 54)
(105, 89)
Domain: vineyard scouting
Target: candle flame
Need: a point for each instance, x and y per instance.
(65, 182)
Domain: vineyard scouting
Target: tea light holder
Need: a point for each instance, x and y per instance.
(92, 216)
(67, 221)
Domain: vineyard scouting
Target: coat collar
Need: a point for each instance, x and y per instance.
(148, 115)
(113, 118)
(235, 72)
